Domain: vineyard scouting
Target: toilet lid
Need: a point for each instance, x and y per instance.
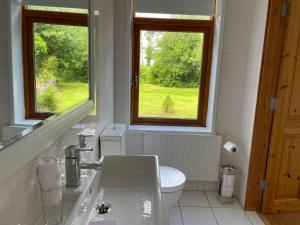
(171, 179)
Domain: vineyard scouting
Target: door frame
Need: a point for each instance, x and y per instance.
(270, 68)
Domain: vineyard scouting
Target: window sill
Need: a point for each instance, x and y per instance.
(28, 123)
(171, 129)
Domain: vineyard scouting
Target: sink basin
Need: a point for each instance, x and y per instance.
(131, 186)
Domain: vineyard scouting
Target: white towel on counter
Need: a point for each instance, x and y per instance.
(52, 197)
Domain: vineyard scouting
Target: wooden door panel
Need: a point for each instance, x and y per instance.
(283, 166)
(292, 127)
(282, 205)
(289, 174)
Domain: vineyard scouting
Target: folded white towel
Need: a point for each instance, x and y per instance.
(48, 183)
(52, 197)
(104, 222)
(49, 174)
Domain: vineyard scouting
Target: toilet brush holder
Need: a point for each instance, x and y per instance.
(227, 184)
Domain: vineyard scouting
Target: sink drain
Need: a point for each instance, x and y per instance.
(103, 208)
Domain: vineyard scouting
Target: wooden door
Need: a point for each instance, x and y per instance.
(283, 166)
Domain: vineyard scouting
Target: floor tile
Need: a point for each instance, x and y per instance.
(226, 216)
(193, 198)
(216, 203)
(198, 216)
(175, 216)
(254, 218)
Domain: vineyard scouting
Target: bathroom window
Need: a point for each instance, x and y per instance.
(55, 51)
(171, 71)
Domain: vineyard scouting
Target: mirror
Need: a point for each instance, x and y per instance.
(51, 42)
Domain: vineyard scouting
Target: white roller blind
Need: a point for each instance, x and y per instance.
(183, 7)
(81, 4)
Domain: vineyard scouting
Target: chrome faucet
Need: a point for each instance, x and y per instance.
(73, 162)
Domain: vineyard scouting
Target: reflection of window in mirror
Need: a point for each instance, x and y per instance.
(55, 49)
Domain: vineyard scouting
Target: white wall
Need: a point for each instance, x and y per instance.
(104, 61)
(240, 69)
(122, 60)
(4, 65)
(122, 72)
(16, 61)
(250, 92)
(234, 67)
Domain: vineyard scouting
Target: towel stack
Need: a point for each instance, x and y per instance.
(49, 177)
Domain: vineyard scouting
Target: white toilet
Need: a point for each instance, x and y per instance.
(172, 184)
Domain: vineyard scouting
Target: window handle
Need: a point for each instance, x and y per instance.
(136, 80)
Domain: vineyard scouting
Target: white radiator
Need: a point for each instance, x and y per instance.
(198, 156)
(8, 132)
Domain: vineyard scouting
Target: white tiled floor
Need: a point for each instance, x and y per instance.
(193, 198)
(204, 208)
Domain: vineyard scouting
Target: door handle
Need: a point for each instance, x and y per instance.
(136, 80)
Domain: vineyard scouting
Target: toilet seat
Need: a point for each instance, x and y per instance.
(171, 179)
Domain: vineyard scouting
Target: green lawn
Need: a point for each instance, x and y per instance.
(69, 95)
(150, 103)
(151, 98)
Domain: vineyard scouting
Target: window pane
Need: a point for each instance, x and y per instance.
(170, 68)
(61, 67)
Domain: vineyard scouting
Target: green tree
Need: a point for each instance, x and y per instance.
(41, 51)
(150, 46)
(69, 44)
(177, 60)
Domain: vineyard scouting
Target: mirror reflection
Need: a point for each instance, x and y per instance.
(54, 58)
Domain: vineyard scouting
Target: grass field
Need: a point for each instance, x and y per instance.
(150, 103)
(151, 98)
(69, 95)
